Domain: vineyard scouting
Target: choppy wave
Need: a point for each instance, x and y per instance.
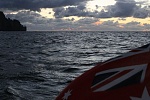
(38, 65)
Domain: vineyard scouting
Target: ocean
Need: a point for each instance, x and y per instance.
(39, 65)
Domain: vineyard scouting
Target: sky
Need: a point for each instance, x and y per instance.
(79, 15)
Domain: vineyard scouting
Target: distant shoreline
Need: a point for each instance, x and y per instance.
(80, 31)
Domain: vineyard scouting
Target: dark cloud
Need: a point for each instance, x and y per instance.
(147, 26)
(31, 19)
(110, 23)
(122, 8)
(134, 26)
(25, 16)
(141, 13)
(102, 14)
(86, 21)
(78, 10)
(20, 4)
(35, 5)
(133, 23)
(34, 21)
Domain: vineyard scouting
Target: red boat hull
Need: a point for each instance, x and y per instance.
(126, 77)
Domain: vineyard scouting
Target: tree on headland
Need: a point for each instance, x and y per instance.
(7, 24)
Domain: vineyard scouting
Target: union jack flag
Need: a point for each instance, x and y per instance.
(118, 77)
(126, 77)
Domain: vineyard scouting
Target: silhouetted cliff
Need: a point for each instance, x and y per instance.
(7, 24)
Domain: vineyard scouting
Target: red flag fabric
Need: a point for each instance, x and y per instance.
(126, 77)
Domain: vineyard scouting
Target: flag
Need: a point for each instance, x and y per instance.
(126, 77)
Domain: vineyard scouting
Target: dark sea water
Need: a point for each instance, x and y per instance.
(38, 65)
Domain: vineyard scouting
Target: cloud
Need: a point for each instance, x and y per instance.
(135, 26)
(122, 9)
(123, 19)
(147, 27)
(125, 8)
(78, 10)
(141, 13)
(26, 16)
(86, 21)
(34, 21)
(66, 8)
(35, 5)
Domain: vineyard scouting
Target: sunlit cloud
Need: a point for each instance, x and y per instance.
(79, 14)
(98, 23)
